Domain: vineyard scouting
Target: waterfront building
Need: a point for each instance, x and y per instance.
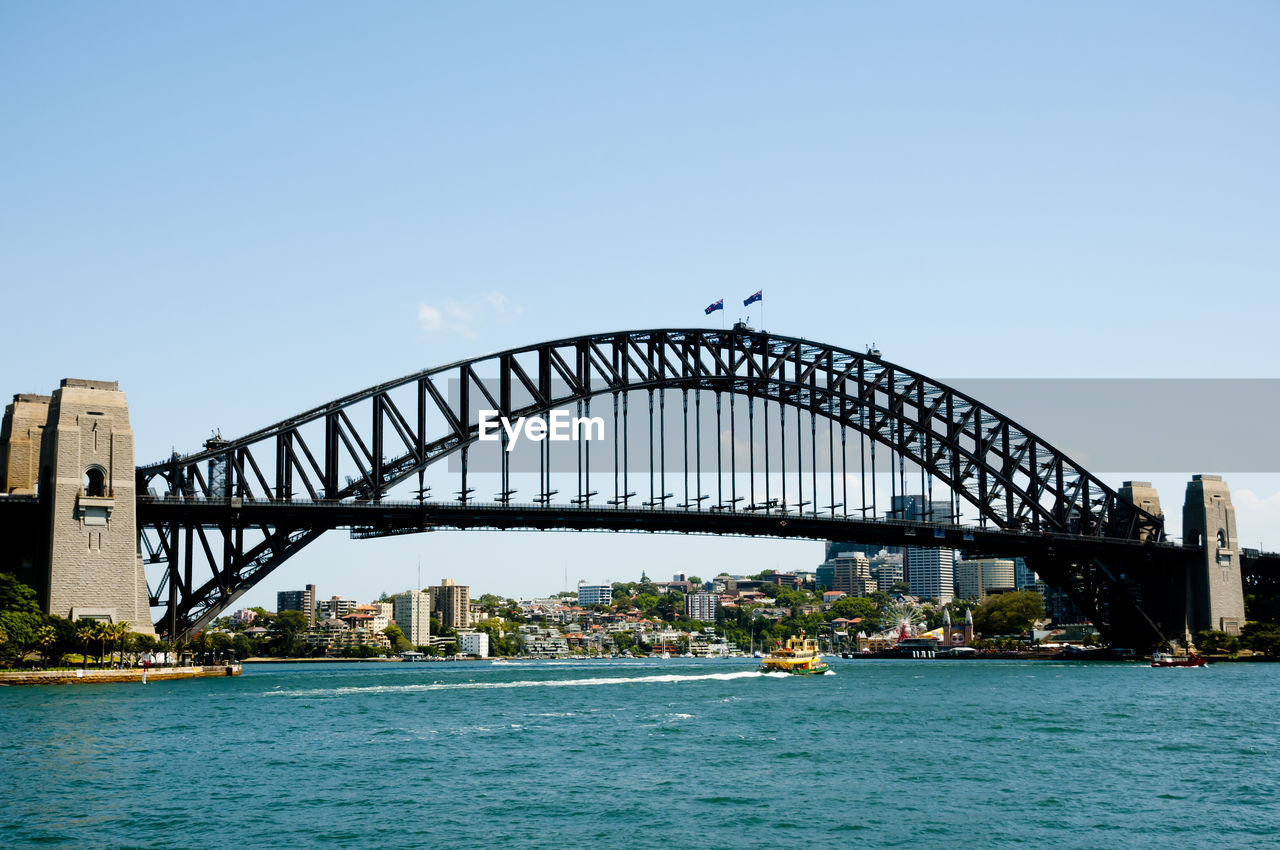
(335, 607)
(930, 573)
(543, 642)
(474, 643)
(299, 600)
(452, 603)
(325, 633)
(412, 613)
(977, 577)
(594, 594)
(355, 638)
(701, 606)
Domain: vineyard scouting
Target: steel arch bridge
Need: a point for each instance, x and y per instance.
(220, 520)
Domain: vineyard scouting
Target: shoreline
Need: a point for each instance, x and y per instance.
(82, 676)
(381, 659)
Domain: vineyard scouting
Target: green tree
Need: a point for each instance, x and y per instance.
(1215, 642)
(243, 647)
(671, 605)
(22, 634)
(855, 607)
(622, 593)
(287, 630)
(399, 643)
(1008, 613)
(788, 598)
(490, 602)
(1261, 637)
(16, 596)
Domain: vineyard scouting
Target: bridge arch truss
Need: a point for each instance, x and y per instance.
(878, 422)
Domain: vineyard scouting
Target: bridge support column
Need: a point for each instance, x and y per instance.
(87, 482)
(24, 550)
(1160, 588)
(1215, 593)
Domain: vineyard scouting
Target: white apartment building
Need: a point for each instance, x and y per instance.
(931, 573)
(701, 606)
(594, 594)
(412, 611)
(976, 577)
(474, 643)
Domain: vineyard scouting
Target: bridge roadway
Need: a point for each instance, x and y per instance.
(377, 519)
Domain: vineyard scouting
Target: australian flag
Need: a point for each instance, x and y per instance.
(759, 296)
(716, 305)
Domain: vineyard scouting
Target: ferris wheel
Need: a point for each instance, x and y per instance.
(901, 619)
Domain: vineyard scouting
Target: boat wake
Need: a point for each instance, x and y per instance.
(669, 678)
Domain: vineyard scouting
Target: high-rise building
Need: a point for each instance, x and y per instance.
(299, 600)
(920, 509)
(930, 573)
(1023, 576)
(886, 569)
(594, 594)
(976, 577)
(701, 606)
(851, 573)
(826, 575)
(452, 603)
(412, 613)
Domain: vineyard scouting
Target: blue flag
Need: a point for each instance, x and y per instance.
(759, 296)
(717, 305)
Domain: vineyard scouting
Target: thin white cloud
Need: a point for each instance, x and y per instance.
(429, 318)
(463, 317)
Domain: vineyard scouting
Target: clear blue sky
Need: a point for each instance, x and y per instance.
(240, 210)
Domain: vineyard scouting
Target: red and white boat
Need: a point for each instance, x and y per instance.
(1165, 659)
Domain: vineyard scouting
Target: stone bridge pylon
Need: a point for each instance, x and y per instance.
(74, 452)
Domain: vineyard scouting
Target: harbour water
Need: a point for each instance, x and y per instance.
(676, 753)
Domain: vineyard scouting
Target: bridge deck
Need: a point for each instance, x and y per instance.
(371, 519)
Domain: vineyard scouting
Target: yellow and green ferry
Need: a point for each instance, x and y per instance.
(798, 656)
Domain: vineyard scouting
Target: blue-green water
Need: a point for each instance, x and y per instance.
(677, 753)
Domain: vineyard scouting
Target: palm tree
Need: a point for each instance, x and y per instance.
(86, 634)
(118, 632)
(46, 636)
